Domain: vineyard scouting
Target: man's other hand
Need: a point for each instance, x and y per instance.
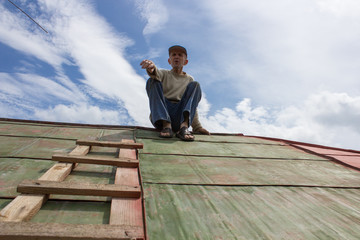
(148, 65)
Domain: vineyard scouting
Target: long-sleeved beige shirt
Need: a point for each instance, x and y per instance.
(174, 86)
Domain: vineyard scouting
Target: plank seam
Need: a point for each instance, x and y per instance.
(224, 156)
(252, 185)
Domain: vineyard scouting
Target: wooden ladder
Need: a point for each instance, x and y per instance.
(126, 216)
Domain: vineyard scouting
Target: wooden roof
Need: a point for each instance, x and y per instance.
(219, 187)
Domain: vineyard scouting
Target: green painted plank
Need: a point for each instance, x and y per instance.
(92, 173)
(9, 146)
(21, 130)
(198, 212)
(73, 212)
(239, 171)
(75, 133)
(33, 147)
(45, 148)
(91, 133)
(49, 131)
(140, 133)
(104, 151)
(58, 131)
(174, 146)
(116, 135)
(37, 147)
(15, 170)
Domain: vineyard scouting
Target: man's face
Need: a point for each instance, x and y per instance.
(177, 59)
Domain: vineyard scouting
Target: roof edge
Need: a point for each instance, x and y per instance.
(306, 144)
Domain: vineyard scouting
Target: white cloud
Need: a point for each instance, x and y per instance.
(347, 8)
(9, 86)
(22, 96)
(77, 36)
(11, 110)
(244, 108)
(204, 106)
(35, 88)
(15, 32)
(98, 51)
(82, 113)
(154, 13)
(277, 51)
(335, 110)
(324, 118)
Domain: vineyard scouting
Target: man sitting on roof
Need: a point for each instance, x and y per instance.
(173, 97)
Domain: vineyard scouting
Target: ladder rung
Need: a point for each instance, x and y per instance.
(118, 162)
(44, 231)
(68, 188)
(110, 144)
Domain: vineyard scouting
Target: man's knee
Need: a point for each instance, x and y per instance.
(194, 84)
(151, 83)
(194, 87)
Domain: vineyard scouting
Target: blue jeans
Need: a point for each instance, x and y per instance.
(162, 109)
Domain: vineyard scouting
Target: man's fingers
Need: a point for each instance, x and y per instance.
(147, 64)
(143, 62)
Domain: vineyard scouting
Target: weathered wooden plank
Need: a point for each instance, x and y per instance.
(80, 150)
(50, 231)
(58, 172)
(101, 160)
(24, 207)
(69, 188)
(126, 145)
(127, 211)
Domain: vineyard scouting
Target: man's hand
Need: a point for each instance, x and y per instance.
(202, 131)
(148, 65)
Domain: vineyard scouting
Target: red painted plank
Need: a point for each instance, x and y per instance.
(327, 151)
(349, 158)
(126, 211)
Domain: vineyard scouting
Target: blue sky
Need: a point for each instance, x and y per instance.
(278, 68)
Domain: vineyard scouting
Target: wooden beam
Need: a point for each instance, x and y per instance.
(118, 162)
(24, 207)
(126, 145)
(80, 150)
(69, 188)
(126, 211)
(46, 231)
